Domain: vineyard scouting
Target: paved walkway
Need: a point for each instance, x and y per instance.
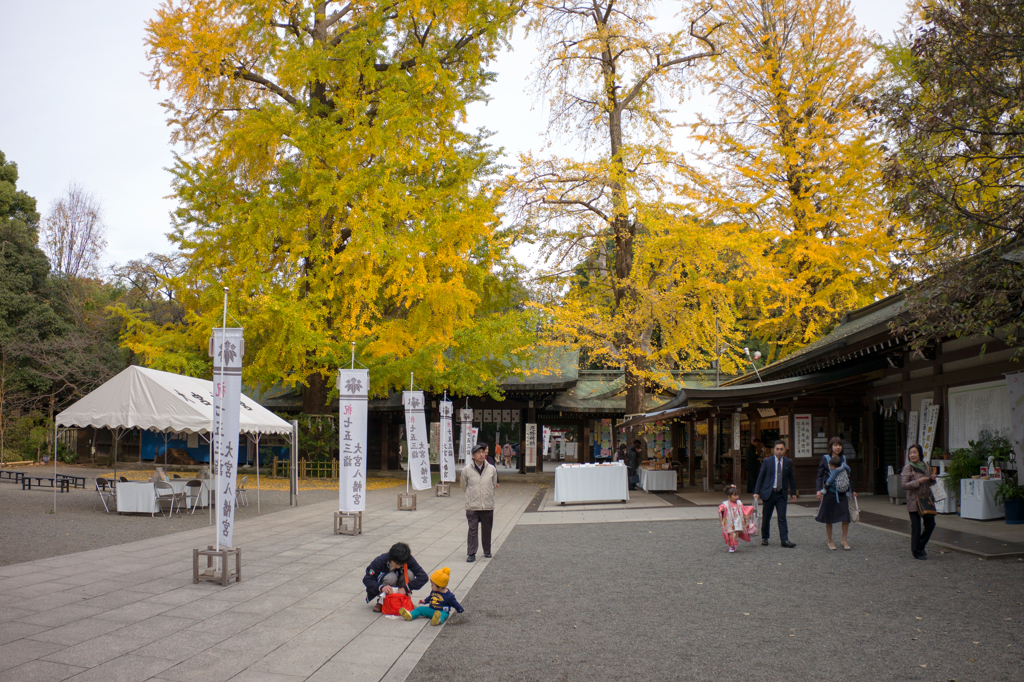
(130, 612)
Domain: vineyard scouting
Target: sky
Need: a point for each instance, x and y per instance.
(76, 107)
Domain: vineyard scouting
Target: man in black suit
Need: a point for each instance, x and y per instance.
(775, 477)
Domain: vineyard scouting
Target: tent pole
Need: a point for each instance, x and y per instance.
(55, 466)
(257, 439)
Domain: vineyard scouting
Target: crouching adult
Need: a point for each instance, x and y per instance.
(395, 571)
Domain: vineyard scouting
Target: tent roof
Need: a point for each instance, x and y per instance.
(160, 401)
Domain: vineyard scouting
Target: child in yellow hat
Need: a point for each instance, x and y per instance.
(437, 607)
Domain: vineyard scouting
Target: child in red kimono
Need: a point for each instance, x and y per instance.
(736, 519)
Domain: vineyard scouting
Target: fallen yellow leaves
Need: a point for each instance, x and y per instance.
(279, 484)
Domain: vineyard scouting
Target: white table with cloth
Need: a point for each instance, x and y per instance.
(591, 483)
(140, 496)
(657, 479)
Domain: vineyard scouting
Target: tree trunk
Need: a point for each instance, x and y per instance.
(314, 396)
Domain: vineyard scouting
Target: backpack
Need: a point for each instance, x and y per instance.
(842, 481)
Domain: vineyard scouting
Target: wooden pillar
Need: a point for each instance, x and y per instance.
(587, 454)
(691, 463)
(676, 431)
(711, 455)
(384, 442)
(940, 395)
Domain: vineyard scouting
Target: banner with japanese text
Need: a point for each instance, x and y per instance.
(531, 445)
(545, 441)
(1015, 389)
(416, 436)
(447, 461)
(353, 392)
(930, 426)
(466, 435)
(226, 348)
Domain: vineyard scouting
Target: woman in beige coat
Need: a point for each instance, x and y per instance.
(479, 478)
(917, 478)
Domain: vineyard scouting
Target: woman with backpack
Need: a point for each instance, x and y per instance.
(834, 488)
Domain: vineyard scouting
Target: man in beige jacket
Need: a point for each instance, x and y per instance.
(479, 479)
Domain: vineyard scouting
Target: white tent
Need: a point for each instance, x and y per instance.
(163, 402)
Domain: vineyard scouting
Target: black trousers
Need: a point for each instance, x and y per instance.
(480, 520)
(918, 539)
(775, 502)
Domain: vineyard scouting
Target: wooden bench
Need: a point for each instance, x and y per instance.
(11, 475)
(44, 482)
(75, 481)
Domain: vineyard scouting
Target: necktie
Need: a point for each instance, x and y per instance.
(778, 473)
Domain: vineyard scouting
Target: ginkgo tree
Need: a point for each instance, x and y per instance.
(328, 182)
(792, 160)
(629, 275)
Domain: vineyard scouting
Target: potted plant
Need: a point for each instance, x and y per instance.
(1011, 496)
(963, 464)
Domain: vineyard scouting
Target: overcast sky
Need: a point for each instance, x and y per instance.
(76, 107)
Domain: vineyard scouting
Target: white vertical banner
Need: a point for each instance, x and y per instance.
(531, 445)
(416, 435)
(545, 441)
(922, 424)
(473, 438)
(226, 348)
(737, 424)
(930, 425)
(447, 462)
(465, 434)
(1015, 390)
(911, 428)
(353, 391)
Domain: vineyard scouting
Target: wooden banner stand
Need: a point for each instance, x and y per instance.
(348, 523)
(443, 490)
(406, 501)
(222, 574)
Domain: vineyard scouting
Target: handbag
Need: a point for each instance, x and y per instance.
(854, 511)
(926, 506)
(395, 601)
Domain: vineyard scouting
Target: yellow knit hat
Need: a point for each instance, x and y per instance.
(440, 576)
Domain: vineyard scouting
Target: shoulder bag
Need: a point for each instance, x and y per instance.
(854, 510)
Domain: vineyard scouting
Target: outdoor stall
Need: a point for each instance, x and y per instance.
(141, 398)
(591, 482)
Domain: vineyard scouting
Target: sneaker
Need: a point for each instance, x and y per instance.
(471, 558)
(731, 550)
(404, 613)
(436, 618)
(487, 555)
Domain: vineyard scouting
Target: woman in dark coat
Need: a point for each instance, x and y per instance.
(835, 505)
(917, 479)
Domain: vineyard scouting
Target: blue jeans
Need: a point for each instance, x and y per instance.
(775, 501)
(427, 612)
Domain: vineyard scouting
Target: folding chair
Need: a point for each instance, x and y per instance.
(105, 489)
(241, 494)
(195, 488)
(165, 493)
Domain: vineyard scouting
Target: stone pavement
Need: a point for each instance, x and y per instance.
(130, 612)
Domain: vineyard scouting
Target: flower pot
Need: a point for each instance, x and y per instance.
(1014, 511)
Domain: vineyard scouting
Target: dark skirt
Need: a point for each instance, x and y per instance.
(831, 511)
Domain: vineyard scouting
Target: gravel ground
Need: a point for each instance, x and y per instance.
(29, 531)
(664, 600)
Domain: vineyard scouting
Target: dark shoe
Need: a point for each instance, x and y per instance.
(922, 557)
(378, 608)
(471, 558)
(789, 544)
(487, 555)
(764, 542)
